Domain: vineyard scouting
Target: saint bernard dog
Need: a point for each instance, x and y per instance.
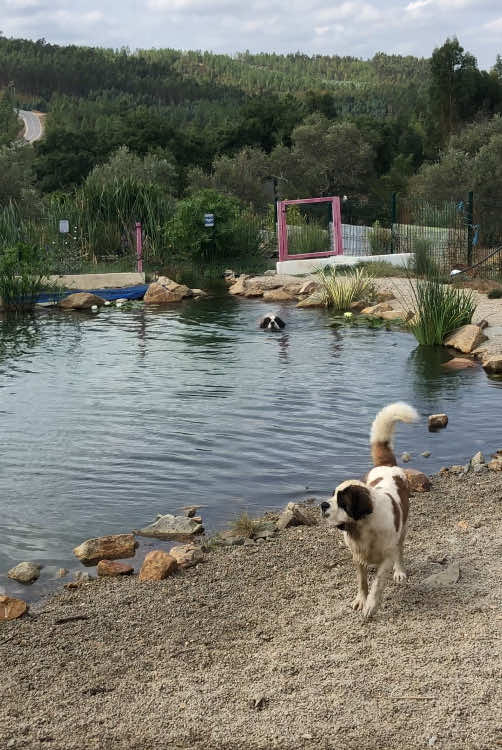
(372, 514)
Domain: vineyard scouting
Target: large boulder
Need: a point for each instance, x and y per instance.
(186, 555)
(81, 301)
(111, 547)
(278, 295)
(466, 338)
(11, 608)
(171, 527)
(25, 572)
(165, 290)
(493, 363)
(157, 566)
(113, 569)
(417, 480)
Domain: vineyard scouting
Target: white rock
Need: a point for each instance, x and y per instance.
(25, 572)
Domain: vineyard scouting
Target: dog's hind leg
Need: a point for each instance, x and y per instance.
(377, 587)
(399, 571)
(362, 587)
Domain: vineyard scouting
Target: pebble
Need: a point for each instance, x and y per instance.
(405, 457)
(426, 454)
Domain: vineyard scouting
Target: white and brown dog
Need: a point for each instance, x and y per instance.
(373, 514)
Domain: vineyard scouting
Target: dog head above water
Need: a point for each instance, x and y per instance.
(350, 503)
(272, 322)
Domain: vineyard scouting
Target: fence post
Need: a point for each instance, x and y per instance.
(139, 247)
(469, 215)
(393, 219)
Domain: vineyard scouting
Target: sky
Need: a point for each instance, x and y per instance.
(349, 27)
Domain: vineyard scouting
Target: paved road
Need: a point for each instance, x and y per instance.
(33, 126)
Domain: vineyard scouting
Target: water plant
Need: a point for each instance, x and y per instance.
(23, 276)
(339, 291)
(439, 309)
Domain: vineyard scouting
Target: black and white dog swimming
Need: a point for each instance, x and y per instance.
(272, 322)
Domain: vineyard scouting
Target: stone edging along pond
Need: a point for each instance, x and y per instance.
(470, 339)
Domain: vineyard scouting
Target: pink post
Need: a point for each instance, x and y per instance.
(139, 247)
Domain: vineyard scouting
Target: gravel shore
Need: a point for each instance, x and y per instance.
(257, 647)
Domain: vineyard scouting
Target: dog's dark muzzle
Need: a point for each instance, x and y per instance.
(324, 509)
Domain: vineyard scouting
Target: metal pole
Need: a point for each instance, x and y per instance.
(393, 220)
(469, 218)
(139, 247)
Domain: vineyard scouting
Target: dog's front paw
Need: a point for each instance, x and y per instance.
(400, 575)
(369, 608)
(358, 602)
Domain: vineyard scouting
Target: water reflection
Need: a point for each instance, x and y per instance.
(430, 379)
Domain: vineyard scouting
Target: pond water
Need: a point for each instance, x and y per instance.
(109, 419)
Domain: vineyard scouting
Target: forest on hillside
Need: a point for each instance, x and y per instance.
(156, 127)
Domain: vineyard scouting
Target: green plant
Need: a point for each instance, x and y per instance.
(246, 526)
(310, 238)
(382, 269)
(439, 309)
(423, 263)
(380, 239)
(23, 276)
(338, 292)
(494, 293)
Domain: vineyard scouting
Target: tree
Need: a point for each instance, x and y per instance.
(9, 124)
(154, 168)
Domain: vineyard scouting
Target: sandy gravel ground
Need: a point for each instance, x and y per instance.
(258, 648)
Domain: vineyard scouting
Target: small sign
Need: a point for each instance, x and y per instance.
(64, 226)
(209, 220)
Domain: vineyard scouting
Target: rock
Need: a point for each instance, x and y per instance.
(385, 296)
(25, 572)
(480, 468)
(190, 511)
(266, 530)
(477, 459)
(81, 577)
(11, 608)
(230, 538)
(239, 287)
(110, 568)
(495, 464)
(313, 300)
(377, 309)
(426, 454)
(109, 547)
(253, 291)
(417, 480)
(405, 457)
(444, 578)
(165, 290)
(292, 516)
(493, 363)
(394, 315)
(121, 301)
(171, 527)
(358, 306)
(62, 572)
(157, 566)
(437, 421)
(270, 272)
(456, 469)
(309, 287)
(466, 338)
(278, 295)
(481, 324)
(81, 301)
(199, 293)
(186, 555)
(458, 363)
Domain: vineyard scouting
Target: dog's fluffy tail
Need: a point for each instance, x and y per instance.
(382, 431)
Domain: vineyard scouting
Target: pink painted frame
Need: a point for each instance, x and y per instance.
(282, 231)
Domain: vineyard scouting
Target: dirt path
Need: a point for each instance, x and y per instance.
(257, 648)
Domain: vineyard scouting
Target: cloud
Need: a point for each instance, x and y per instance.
(494, 25)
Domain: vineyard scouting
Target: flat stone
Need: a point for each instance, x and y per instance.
(81, 301)
(110, 547)
(377, 309)
(253, 291)
(113, 569)
(437, 421)
(458, 363)
(313, 300)
(11, 608)
(417, 480)
(493, 363)
(160, 294)
(25, 572)
(444, 578)
(186, 555)
(230, 538)
(157, 566)
(171, 527)
(309, 287)
(466, 338)
(278, 295)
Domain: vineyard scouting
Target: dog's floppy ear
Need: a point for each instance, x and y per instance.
(264, 322)
(355, 501)
(280, 322)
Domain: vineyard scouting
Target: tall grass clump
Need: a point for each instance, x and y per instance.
(310, 238)
(338, 292)
(23, 276)
(423, 263)
(439, 309)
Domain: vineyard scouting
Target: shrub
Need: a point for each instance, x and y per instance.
(494, 293)
(338, 292)
(380, 239)
(23, 276)
(234, 240)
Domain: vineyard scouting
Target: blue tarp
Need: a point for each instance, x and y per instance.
(127, 292)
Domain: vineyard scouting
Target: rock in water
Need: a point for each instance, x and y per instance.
(171, 527)
(109, 547)
(157, 566)
(437, 421)
(25, 572)
(466, 338)
(81, 301)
